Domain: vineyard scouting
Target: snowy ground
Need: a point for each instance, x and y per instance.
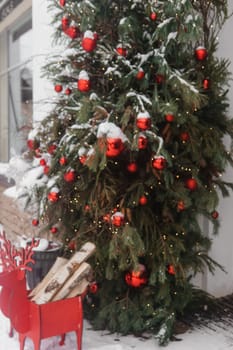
(212, 338)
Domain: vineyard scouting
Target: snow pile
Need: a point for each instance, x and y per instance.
(93, 340)
(111, 130)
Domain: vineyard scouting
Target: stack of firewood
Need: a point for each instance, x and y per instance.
(66, 278)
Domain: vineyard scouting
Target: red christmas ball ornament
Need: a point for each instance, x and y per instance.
(132, 167)
(137, 278)
(53, 230)
(159, 162)
(142, 142)
(143, 121)
(46, 169)
(140, 74)
(121, 50)
(215, 214)
(171, 270)
(201, 53)
(84, 83)
(206, 84)
(191, 184)
(87, 208)
(63, 161)
(107, 218)
(93, 288)
(72, 31)
(169, 117)
(153, 16)
(65, 22)
(37, 153)
(53, 196)
(184, 136)
(58, 88)
(31, 144)
(89, 41)
(35, 222)
(180, 206)
(143, 200)
(114, 147)
(62, 2)
(42, 162)
(69, 176)
(118, 219)
(96, 36)
(159, 79)
(83, 159)
(72, 245)
(51, 149)
(68, 91)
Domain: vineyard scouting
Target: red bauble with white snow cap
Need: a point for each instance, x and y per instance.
(114, 147)
(82, 155)
(118, 219)
(143, 121)
(140, 74)
(53, 195)
(159, 162)
(115, 138)
(201, 53)
(84, 83)
(121, 50)
(89, 41)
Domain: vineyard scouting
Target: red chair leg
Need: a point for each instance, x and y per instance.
(11, 332)
(36, 342)
(62, 341)
(79, 338)
(22, 341)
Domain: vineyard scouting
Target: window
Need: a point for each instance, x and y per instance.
(19, 85)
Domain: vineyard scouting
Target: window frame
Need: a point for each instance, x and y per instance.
(21, 11)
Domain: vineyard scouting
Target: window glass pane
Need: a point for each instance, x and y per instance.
(20, 86)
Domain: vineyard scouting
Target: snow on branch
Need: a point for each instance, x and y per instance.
(110, 130)
(142, 100)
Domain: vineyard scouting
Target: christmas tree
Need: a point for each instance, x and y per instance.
(132, 153)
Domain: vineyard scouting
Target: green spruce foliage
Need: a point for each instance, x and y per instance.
(140, 134)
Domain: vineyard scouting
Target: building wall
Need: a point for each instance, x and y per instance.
(222, 250)
(42, 48)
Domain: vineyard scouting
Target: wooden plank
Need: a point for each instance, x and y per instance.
(51, 273)
(78, 281)
(59, 279)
